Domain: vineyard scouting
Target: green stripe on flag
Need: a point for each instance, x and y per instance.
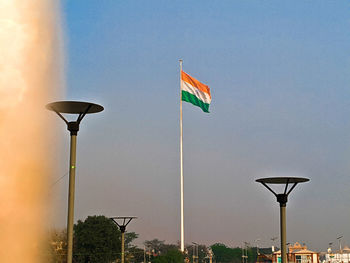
(186, 96)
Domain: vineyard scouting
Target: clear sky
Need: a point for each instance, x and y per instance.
(279, 77)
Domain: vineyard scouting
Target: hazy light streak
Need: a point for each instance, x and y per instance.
(28, 77)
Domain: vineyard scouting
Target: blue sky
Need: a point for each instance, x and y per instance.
(278, 73)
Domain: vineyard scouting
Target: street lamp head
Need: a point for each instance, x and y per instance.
(282, 198)
(282, 180)
(122, 221)
(73, 107)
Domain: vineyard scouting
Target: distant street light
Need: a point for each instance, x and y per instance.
(339, 239)
(123, 222)
(273, 244)
(257, 247)
(282, 199)
(340, 250)
(245, 252)
(210, 254)
(80, 108)
(195, 252)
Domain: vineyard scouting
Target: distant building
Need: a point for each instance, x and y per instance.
(340, 256)
(297, 254)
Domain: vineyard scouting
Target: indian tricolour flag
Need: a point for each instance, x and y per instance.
(195, 92)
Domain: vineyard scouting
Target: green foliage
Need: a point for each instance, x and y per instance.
(155, 245)
(192, 251)
(158, 246)
(129, 237)
(96, 240)
(160, 259)
(163, 253)
(172, 256)
(223, 253)
(134, 254)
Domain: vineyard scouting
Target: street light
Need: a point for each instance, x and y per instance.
(195, 252)
(282, 199)
(245, 252)
(340, 250)
(273, 244)
(80, 108)
(210, 254)
(339, 239)
(123, 222)
(257, 246)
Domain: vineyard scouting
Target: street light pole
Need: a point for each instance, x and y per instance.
(283, 229)
(71, 196)
(210, 252)
(244, 252)
(195, 252)
(125, 220)
(257, 246)
(340, 250)
(282, 200)
(273, 244)
(246, 245)
(80, 108)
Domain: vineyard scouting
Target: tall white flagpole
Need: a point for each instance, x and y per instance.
(181, 168)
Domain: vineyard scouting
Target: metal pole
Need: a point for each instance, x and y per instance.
(122, 228)
(283, 232)
(246, 252)
(282, 199)
(80, 108)
(181, 168)
(122, 246)
(70, 219)
(242, 254)
(193, 253)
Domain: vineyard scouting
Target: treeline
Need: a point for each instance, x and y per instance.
(97, 239)
(223, 253)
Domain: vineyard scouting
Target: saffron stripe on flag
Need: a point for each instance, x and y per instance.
(195, 83)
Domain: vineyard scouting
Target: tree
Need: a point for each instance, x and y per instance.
(134, 254)
(202, 252)
(158, 247)
(223, 253)
(172, 256)
(97, 240)
(154, 245)
(129, 237)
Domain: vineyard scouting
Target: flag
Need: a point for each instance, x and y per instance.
(195, 92)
